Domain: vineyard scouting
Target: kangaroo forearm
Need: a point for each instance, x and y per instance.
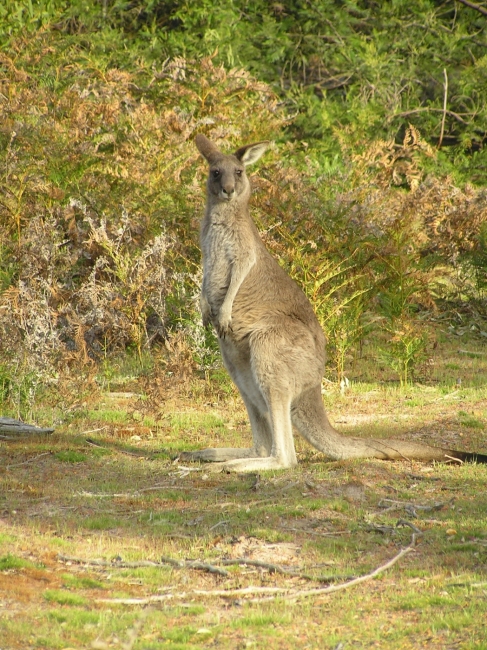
(239, 273)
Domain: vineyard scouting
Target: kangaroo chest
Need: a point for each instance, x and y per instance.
(218, 250)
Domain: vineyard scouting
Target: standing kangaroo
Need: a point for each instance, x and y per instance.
(270, 339)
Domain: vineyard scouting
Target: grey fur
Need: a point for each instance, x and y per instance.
(270, 339)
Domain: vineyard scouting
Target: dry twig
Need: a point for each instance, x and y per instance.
(472, 5)
(346, 585)
(391, 504)
(119, 564)
(443, 119)
(227, 593)
(27, 462)
(194, 564)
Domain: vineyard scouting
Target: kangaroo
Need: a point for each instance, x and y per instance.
(270, 339)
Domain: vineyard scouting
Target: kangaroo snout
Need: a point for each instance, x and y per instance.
(227, 193)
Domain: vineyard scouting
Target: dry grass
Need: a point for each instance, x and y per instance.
(107, 485)
(101, 186)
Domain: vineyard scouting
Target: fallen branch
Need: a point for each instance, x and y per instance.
(272, 592)
(27, 462)
(415, 529)
(119, 564)
(245, 591)
(392, 529)
(317, 533)
(128, 495)
(346, 585)
(272, 568)
(135, 601)
(474, 6)
(18, 428)
(276, 568)
(194, 564)
(391, 504)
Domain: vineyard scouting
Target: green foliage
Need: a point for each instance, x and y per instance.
(101, 183)
(70, 456)
(18, 388)
(477, 258)
(62, 597)
(337, 64)
(9, 562)
(406, 347)
(80, 582)
(469, 420)
(338, 295)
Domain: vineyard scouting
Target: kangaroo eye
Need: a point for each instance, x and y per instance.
(216, 173)
(238, 172)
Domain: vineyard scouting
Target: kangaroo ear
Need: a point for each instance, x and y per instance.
(251, 152)
(206, 148)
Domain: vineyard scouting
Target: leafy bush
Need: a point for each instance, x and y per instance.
(102, 186)
(101, 190)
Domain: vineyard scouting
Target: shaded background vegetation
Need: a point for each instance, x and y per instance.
(372, 195)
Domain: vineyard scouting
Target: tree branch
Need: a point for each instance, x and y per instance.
(472, 5)
(226, 593)
(346, 585)
(443, 119)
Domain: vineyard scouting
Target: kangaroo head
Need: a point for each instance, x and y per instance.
(227, 179)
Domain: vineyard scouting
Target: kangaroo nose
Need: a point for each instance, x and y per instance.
(228, 192)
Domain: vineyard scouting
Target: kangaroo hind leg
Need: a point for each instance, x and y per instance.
(272, 390)
(258, 415)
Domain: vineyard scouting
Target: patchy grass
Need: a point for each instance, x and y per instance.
(100, 520)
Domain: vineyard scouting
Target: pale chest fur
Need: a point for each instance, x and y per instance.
(224, 240)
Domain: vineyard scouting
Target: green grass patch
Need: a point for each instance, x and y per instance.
(9, 562)
(263, 620)
(102, 522)
(110, 416)
(181, 423)
(74, 618)
(71, 456)
(470, 421)
(65, 598)
(80, 582)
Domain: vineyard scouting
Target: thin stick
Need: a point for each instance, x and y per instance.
(92, 442)
(245, 591)
(129, 495)
(346, 585)
(135, 601)
(202, 566)
(272, 568)
(406, 504)
(27, 462)
(474, 6)
(317, 533)
(443, 119)
(106, 563)
(429, 109)
(190, 564)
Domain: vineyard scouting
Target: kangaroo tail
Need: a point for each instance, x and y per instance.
(466, 457)
(309, 418)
